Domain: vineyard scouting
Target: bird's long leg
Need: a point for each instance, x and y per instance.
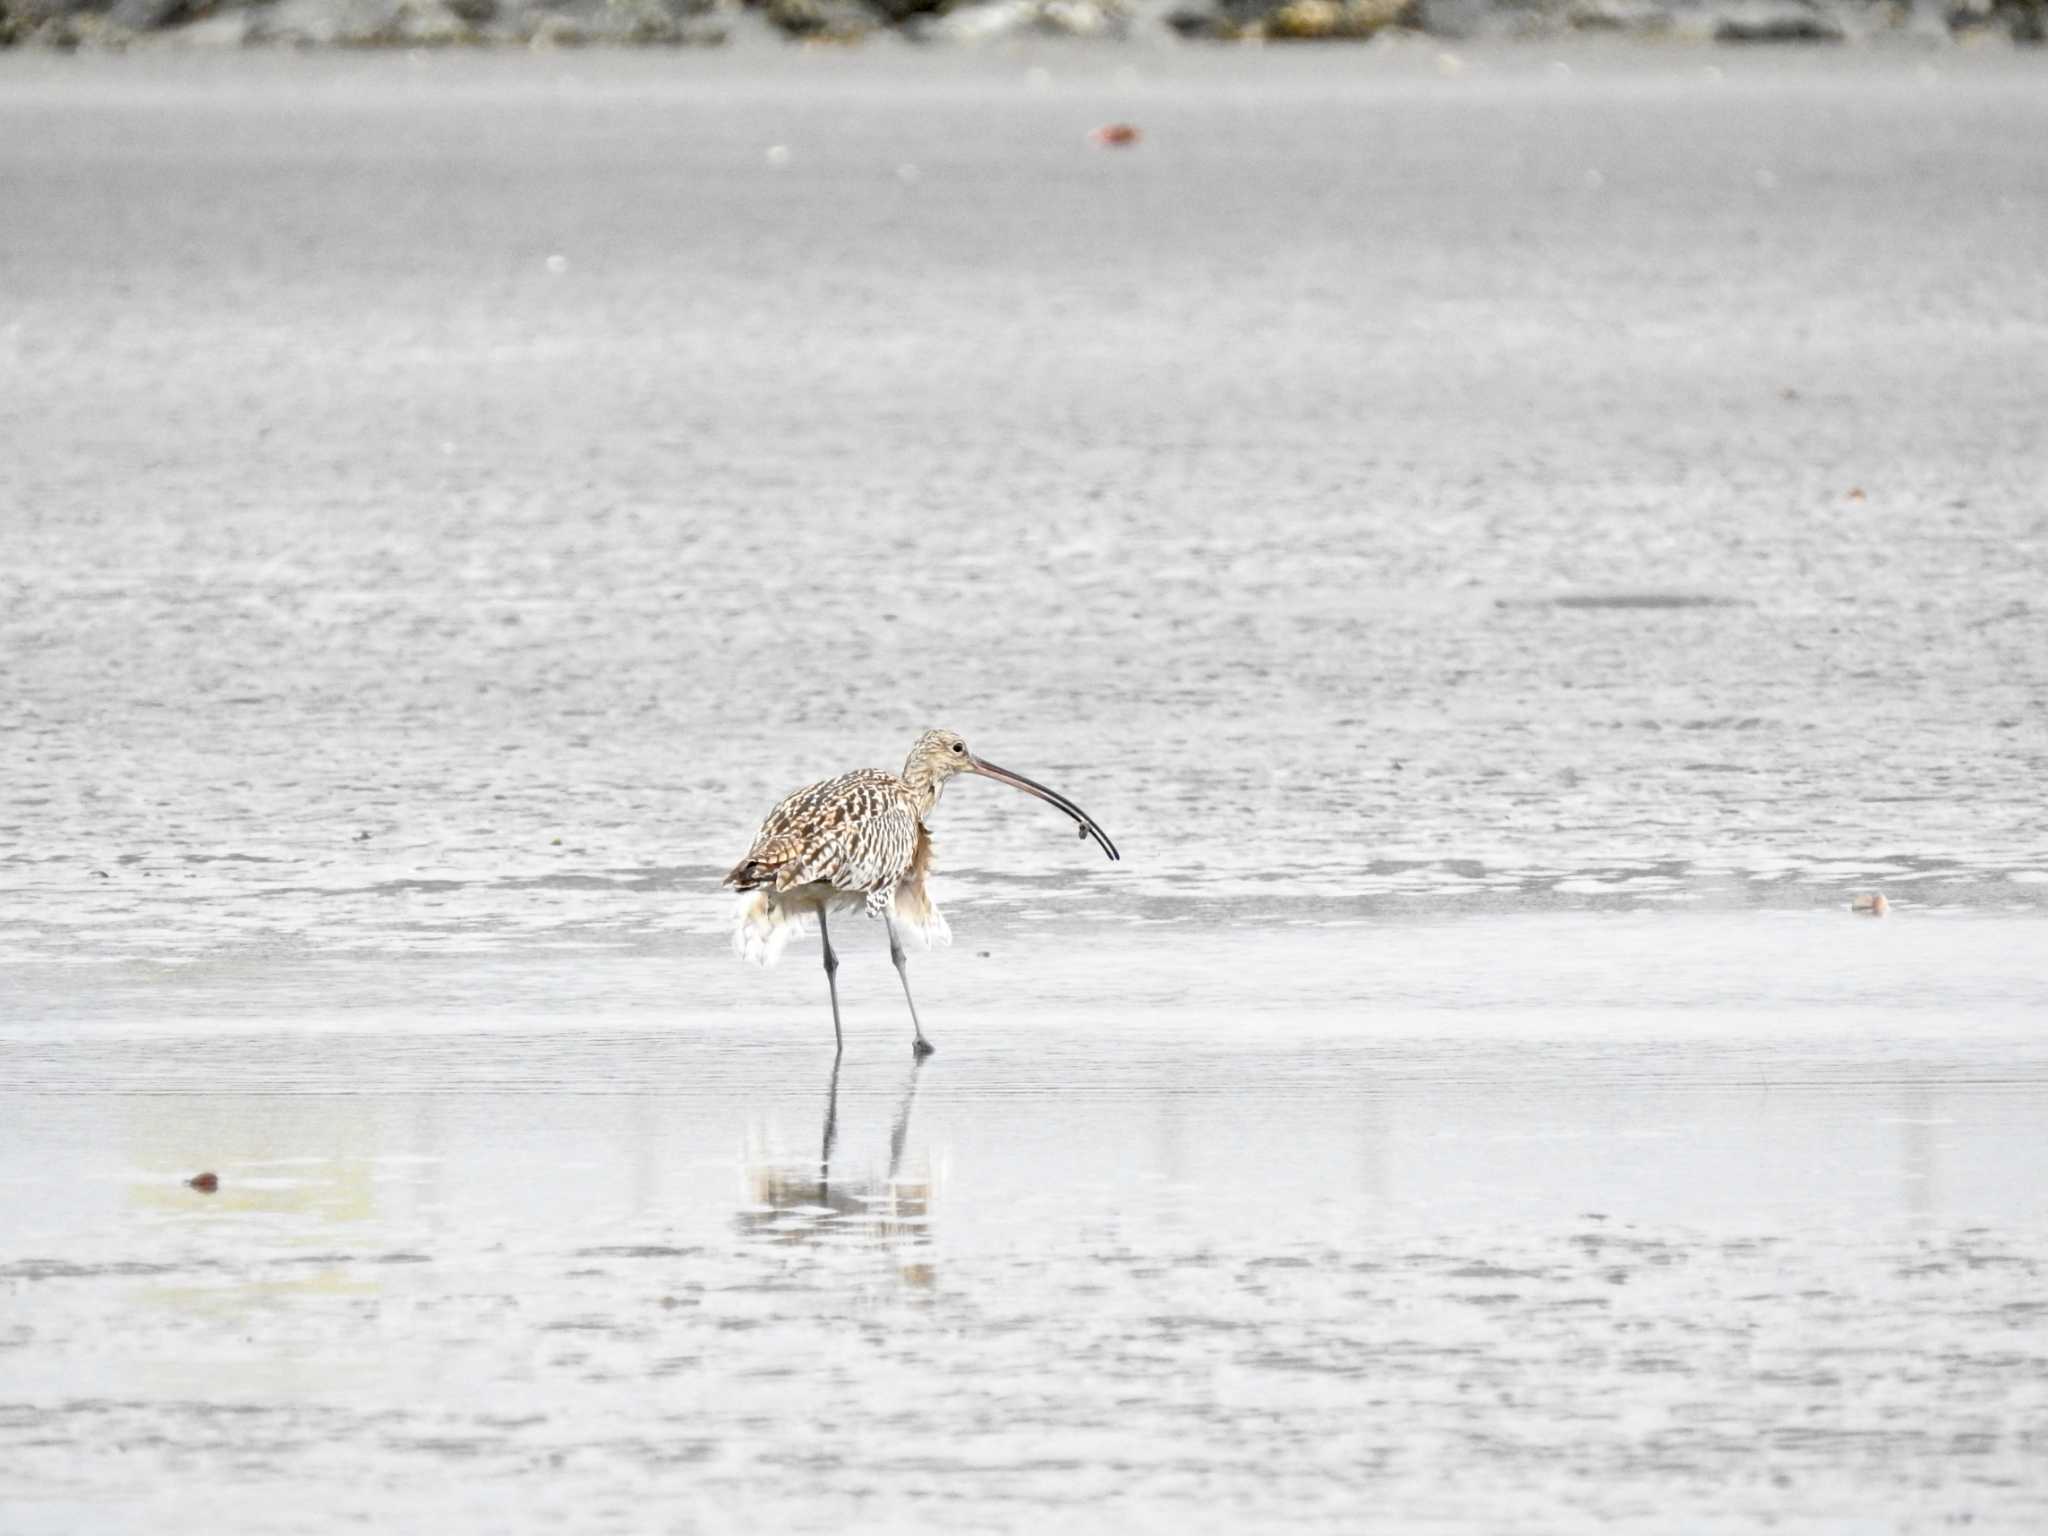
(920, 1046)
(832, 982)
(831, 1135)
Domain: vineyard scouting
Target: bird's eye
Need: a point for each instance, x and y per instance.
(959, 746)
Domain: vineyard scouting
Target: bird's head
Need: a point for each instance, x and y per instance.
(938, 756)
(941, 755)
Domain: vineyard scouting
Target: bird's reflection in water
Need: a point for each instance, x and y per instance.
(812, 1202)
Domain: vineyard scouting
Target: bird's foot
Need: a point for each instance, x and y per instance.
(921, 1048)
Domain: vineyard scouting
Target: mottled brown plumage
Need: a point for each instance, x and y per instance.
(856, 835)
(859, 842)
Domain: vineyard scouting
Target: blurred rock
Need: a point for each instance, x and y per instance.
(80, 29)
(1221, 21)
(1644, 17)
(979, 23)
(1774, 21)
(1944, 21)
(431, 24)
(114, 24)
(556, 32)
(608, 23)
(223, 29)
(1320, 20)
(27, 15)
(61, 24)
(1082, 18)
(358, 24)
(1290, 20)
(149, 15)
(314, 23)
(897, 12)
(1464, 20)
(997, 19)
(824, 21)
(1305, 19)
(1214, 22)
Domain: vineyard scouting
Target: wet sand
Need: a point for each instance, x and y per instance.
(1531, 471)
(1509, 555)
(1136, 1248)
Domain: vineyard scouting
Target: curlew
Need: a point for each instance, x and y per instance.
(859, 843)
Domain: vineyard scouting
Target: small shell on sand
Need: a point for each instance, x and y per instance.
(1116, 135)
(1870, 904)
(205, 1183)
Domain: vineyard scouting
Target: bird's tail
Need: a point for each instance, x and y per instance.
(761, 925)
(916, 915)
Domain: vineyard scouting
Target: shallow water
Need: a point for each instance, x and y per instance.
(1507, 553)
(1526, 474)
(1552, 1266)
(1552, 1219)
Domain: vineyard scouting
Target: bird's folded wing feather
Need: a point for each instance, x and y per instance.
(855, 832)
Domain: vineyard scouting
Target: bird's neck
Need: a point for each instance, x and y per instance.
(924, 787)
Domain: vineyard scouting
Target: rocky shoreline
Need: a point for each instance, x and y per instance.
(121, 24)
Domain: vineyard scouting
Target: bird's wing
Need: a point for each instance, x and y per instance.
(855, 832)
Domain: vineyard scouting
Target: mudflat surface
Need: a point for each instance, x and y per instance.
(1550, 1262)
(1507, 550)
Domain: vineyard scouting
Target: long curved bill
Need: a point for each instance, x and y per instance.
(989, 770)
